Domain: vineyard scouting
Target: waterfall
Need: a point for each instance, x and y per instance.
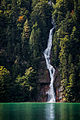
(51, 94)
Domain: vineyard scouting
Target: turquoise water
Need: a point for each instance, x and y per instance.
(39, 111)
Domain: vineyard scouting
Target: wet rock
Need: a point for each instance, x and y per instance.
(58, 87)
(44, 82)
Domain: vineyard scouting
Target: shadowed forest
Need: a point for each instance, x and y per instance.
(24, 31)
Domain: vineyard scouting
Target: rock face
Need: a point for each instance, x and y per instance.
(44, 82)
(42, 96)
(58, 87)
(57, 84)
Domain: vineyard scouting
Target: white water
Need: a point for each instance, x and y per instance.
(51, 94)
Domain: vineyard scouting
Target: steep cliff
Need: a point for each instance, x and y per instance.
(43, 81)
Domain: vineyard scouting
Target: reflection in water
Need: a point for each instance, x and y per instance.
(49, 111)
(40, 111)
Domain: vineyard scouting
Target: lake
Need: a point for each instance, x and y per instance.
(39, 111)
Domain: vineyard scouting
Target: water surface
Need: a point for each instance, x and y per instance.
(39, 111)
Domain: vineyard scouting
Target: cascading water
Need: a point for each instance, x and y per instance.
(51, 94)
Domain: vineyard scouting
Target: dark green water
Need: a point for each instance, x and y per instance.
(39, 111)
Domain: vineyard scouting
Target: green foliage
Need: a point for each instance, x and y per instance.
(27, 82)
(25, 40)
(34, 40)
(35, 45)
(34, 2)
(24, 31)
(66, 47)
(42, 15)
(5, 80)
(28, 79)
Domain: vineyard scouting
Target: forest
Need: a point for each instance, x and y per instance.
(24, 31)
